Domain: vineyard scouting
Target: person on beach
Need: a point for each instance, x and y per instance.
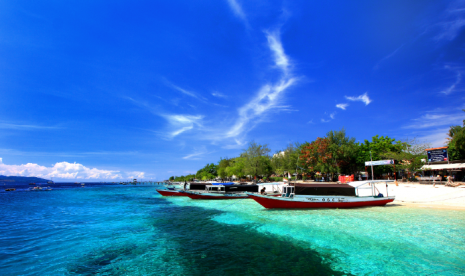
(449, 181)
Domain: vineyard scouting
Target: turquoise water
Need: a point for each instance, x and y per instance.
(131, 230)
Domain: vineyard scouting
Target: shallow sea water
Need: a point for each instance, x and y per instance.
(132, 230)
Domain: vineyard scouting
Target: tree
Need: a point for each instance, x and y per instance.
(377, 146)
(410, 156)
(288, 159)
(316, 155)
(342, 150)
(236, 167)
(222, 166)
(257, 160)
(207, 172)
(457, 142)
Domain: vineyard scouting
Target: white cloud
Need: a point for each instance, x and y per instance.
(451, 21)
(362, 98)
(436, 120)
(342, 106)
(332, 115)
(218, 95)
(25, 127)
(182, 123)
(458, 79)
(63, 170)
(387, 57)
(437, 139)
(196, 155)
(186, 92)
(269, 96)
(280, 58)
(325, 121)
(237, 10)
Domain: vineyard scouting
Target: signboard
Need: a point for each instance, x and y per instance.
(437, 155)
(380, 162)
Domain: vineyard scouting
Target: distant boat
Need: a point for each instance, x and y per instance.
(10, 189)
(32, 183)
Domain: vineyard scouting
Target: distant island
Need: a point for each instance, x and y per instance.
(21, 179)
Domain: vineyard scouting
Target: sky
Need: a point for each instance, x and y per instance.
(116, 90)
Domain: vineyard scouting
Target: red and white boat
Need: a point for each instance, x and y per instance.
(306, 196)
(179, 189)
(171, 193)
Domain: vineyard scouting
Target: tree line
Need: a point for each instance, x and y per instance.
(332, 155)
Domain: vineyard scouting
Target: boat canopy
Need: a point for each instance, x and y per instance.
(236, 188)
(324, 189)
(197, 186)
(226, 183)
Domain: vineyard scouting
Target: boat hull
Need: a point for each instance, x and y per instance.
(215, 196)
(170, 193)
(285, 203)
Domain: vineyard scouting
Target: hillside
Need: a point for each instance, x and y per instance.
(21, 179)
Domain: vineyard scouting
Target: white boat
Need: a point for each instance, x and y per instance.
(303, 196)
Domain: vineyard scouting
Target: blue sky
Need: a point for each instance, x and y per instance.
(147, 89)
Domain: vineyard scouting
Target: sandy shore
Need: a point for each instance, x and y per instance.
(412, 194)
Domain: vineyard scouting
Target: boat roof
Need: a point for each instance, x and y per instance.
(342, 186)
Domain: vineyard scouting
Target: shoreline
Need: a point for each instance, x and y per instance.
(426, 196)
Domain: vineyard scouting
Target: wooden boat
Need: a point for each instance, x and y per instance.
(305, 196)
(175, 191)
(10, 190)
(171, 192)
(222, 191)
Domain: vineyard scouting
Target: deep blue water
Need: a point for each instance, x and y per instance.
(131, 230)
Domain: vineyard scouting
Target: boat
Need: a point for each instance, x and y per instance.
(10, 190)
(47, 189)
(175, 191)
(32, 183)
(223, 191)
(37, 188)
(307, 196)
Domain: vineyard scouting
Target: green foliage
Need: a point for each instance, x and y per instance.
(378, 147)
(342, 151)
(236, 167)
(288, 159)
(410, 155)
(257, 160)
(457, 142)
(208, 172)
(222, 166)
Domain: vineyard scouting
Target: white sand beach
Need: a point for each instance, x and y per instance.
(420, 195)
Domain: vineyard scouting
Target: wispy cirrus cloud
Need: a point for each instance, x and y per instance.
(237, 10)
(182, 123)
(376, 67)
(186, 92)
(269, 97)
(178, 123)
(342, 106)
(451, 22)
(218, 95)
(458, 79)
(434, 120)
(362, 98)
(4, 125)
(196, 155)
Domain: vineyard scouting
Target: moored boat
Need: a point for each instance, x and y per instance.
(176, 191)
(303, 196)
(222, 191)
